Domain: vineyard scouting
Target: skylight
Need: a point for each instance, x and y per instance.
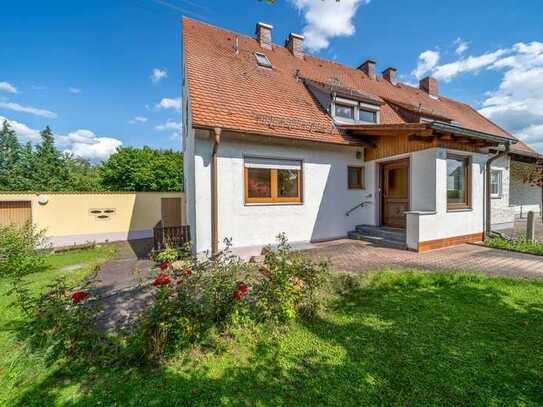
(263, 60)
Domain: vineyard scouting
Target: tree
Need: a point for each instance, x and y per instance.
(142, 169)
(49, 169)
(10, 150)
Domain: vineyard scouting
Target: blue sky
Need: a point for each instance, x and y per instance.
(86, 68)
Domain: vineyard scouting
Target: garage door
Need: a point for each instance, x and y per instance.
(15, 212)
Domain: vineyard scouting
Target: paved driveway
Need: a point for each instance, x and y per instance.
(359, 256)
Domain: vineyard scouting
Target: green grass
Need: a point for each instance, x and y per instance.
(19, 368)
(396, 338)
(518, 245)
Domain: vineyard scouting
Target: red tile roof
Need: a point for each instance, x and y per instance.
(229, 90)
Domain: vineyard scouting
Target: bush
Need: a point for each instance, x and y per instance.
(198, 299)
(63, 323)
(289, 285)
(19, 251)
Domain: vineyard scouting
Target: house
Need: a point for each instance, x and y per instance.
(277, 140)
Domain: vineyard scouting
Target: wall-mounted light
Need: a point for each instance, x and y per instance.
(358, 155)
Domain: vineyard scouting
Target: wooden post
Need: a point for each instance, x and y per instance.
(530, 227)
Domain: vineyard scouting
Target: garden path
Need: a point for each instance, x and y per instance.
(123, 284)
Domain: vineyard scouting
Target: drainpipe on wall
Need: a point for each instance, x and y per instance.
(215, 192)
(488, 187)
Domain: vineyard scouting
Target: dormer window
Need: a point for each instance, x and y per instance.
(344, 111)
(262, 60)
(367, 116)
(352, 111)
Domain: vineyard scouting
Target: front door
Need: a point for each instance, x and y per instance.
(395, 193)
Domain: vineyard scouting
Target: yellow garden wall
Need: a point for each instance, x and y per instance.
(71, 218)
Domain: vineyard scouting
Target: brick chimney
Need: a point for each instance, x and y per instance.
(295, 45)
(389, 74)
(263, 35)
(429, 85)
(369, 68)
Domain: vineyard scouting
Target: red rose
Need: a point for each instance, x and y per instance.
(162, 279)
(165, 265)
(79, 296)
(242, 287)
(187, 272)
(237, 295)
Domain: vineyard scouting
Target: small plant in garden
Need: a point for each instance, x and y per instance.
(521, 244)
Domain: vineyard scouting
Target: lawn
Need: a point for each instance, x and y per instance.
(19, 368)
(391, 338)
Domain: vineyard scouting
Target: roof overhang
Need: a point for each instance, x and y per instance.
(422, 129)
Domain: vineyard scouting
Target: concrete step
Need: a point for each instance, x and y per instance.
(377, 240)
(396, 235)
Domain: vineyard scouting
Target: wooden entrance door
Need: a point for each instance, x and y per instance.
(395, 193)
(171, 212)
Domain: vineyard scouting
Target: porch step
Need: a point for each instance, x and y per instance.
(378, 240)
(385, 233)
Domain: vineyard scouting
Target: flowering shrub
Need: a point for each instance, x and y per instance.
(201, 296)
(63, 324)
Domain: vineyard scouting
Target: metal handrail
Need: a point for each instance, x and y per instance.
(360, 205)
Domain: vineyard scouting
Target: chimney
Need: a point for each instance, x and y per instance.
(429, 85)
(390, 75)
(369, 68)
(263, 35)
(295, 45)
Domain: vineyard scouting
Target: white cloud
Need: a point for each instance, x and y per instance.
(517, 104)
(138, 119)
(427, 61)
(87, 145)
(28, 109)
(7, 87)
(470, 64)
(157, 74)
(169, 103)
(24, 133)
(461, 46)
(170, 124)
(75, 91)
(326, 19)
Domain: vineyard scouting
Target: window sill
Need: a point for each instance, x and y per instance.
(459, 210)
(273, 203)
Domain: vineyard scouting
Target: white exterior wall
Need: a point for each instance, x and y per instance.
(503, 215)
(441, 223)
(523, 196)
(326, 197)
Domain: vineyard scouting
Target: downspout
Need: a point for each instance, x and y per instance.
(215, 192)
(488, 198)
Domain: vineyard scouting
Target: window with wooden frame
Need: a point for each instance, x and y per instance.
(272, 181)
(458, 182)
(355, 177)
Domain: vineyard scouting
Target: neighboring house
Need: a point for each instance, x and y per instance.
(278, 141)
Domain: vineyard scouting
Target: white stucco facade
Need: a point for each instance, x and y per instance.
(430, 219)
(326, 196)
(503, 214)
(321, 215)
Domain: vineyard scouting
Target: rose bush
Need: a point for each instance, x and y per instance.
(197, 297)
